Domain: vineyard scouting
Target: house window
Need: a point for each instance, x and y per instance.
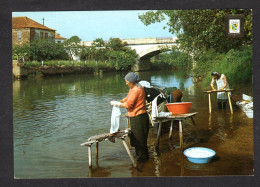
(41, 35)
(19, 36)
(37, 36)
(46, 35)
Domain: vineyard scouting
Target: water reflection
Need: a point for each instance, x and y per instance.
(210, 126)
(171, 79)
(99, 171)
(182, 165)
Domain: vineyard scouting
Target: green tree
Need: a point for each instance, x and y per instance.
(72, 46)
(176, 59)
(115, 44)
(21, 51)
(44, 49)
(99, 42)
(198, 30)
(122, 60)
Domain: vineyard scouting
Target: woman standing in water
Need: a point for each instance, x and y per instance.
(222, 84)
(136, 106)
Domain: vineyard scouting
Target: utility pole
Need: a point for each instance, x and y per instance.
(43, 21)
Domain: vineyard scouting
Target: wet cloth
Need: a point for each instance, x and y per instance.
(155, 111)
(115, 119)
(139, 134)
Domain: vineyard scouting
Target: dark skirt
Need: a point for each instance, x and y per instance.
(139, 134)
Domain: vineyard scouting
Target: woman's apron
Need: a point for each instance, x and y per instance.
(222, 96)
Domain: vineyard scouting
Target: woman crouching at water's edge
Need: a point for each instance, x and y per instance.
(135, 104)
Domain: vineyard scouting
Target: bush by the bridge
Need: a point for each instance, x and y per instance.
(114, 52)
(174, 60)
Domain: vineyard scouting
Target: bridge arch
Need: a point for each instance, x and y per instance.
(153, 51)
(145, 49)
(143, 61)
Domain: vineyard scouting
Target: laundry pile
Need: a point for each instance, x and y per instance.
(246, 105)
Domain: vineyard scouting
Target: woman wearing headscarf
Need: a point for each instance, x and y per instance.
(222, 84)
(139, 122)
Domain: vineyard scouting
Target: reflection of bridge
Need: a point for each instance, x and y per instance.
(145, 49)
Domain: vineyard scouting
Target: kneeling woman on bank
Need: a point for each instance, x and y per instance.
(139, 121)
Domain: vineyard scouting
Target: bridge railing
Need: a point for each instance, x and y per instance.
(140, 41)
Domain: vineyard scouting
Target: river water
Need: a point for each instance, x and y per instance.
(54, 115)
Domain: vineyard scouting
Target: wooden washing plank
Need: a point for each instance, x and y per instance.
(106, 136)
(209, 91)
(177, 116)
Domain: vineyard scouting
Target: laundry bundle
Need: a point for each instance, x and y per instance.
(115, 119)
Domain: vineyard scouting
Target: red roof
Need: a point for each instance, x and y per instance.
(59, 37)
(25, 22)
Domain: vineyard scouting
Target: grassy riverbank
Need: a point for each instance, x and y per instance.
(56, 67)
(58, 63)
(235, 64)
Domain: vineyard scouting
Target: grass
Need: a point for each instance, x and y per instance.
(235, 64)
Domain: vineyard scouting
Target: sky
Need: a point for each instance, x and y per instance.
(89, 25)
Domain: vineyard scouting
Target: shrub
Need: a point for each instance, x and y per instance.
(236, 65)
(39, 50)
(174, 59)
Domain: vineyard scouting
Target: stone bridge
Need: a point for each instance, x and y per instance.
(145, 49)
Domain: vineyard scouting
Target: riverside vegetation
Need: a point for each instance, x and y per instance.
(203, 43)
(112, 55)
(202, 47)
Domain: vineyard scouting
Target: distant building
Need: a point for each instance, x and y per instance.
(59, 39)
(25, 30)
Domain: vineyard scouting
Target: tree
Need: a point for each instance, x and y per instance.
(115, 44)
(198, 30)
(122, 60)
(73, 46)
(175, 58)
(114, 51)
(20, 51)
(99, 42)
(44, 49)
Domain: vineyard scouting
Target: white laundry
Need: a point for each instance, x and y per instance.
(145, 84)
(164, 114)
(115, 118)
(249, 106)
(115, 103)
(154, 112)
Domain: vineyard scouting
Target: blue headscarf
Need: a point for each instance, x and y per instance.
(132, 77)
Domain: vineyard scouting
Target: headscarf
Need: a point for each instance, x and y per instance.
(132, 77)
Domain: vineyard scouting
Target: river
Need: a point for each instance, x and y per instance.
(54, 115)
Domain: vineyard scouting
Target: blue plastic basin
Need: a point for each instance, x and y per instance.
(199, 155)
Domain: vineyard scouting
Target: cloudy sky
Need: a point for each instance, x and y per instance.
(89, 25)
